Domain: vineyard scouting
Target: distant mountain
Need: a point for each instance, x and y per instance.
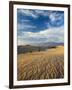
(48, 44)
(37, 47)
(53, 44)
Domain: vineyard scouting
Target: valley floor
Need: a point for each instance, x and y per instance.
(47, 64)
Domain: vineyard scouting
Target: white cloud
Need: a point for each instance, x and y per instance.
(55, 16)
(28, 13)
(24, 26)
(52, 15)
(48, 35)
(24, 21)
(35, 14)
(41, 12)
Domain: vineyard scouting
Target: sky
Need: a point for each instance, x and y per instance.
(39, 26)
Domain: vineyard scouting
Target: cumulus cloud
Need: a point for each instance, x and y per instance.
(36, 13)
(27, 12)
(39, 26)
(25, 26)
(49, 35)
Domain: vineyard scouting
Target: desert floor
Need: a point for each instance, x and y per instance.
(47, 64)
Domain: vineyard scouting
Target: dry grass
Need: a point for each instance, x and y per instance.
(41, 65)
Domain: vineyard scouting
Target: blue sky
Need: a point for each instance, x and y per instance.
(39, 26)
